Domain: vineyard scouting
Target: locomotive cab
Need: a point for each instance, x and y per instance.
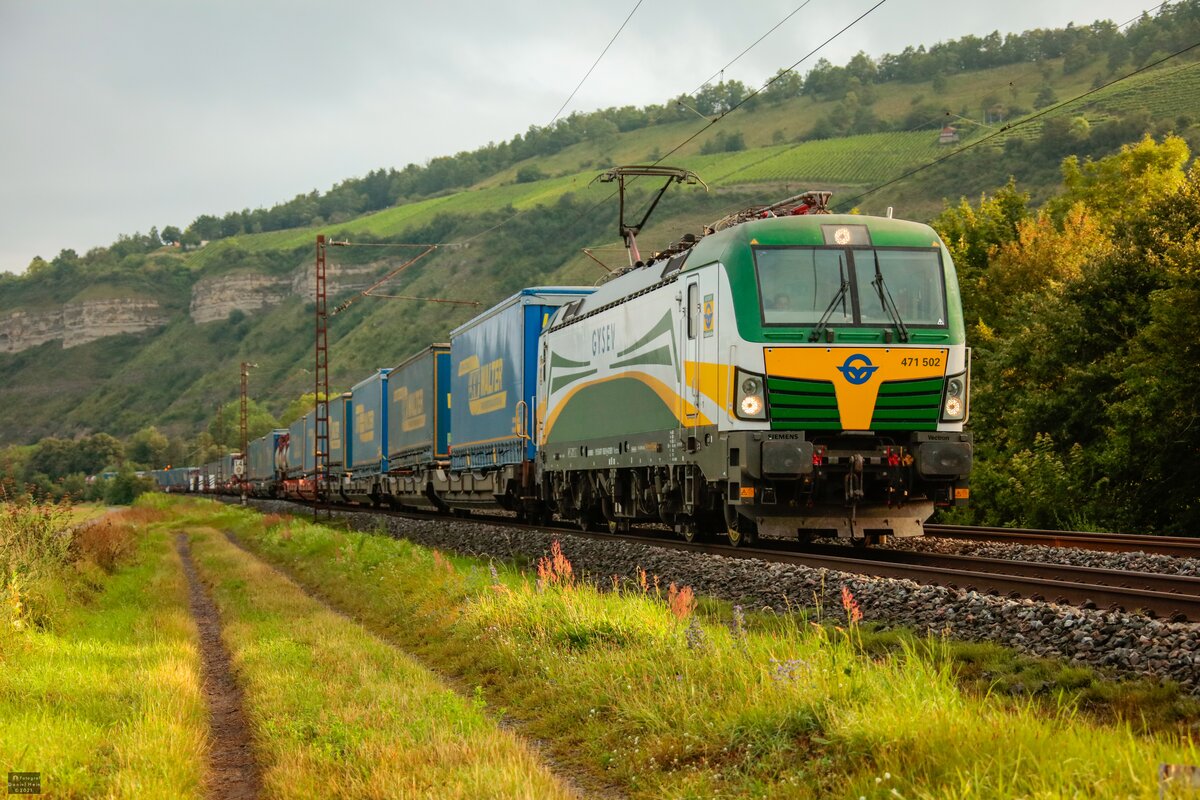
(863, 386)
(787, 375)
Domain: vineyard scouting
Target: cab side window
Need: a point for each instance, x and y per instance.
(693, 310)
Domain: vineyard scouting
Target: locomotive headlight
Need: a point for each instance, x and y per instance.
(749, 402)
(954, 403)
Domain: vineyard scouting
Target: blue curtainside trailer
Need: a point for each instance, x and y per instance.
(493, 371)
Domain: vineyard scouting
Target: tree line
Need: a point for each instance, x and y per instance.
(854, 85)
(57, 467)
(1084, 320)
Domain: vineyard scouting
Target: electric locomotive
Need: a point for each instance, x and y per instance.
(789, 374)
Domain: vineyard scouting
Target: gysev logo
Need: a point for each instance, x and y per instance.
(485, 385)
(857, 369)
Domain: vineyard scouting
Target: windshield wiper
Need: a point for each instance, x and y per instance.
(885, 297)
(840, 295)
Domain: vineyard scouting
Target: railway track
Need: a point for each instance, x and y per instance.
(1168, 596)
(1179, 546)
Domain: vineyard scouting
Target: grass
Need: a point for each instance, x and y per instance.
(105, 700)
(337, 712)
(667, 701)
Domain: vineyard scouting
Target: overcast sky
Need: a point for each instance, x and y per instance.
(119, 116)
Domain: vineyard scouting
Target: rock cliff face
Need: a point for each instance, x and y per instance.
(337, 278)
(79, 323)
(24, 329)
(86, 322)
(214, 298)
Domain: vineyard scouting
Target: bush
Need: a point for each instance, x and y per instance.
(724, 142)
(529, 174)
(35, 544)
(125, 486)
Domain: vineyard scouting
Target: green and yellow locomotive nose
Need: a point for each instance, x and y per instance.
(862, 388)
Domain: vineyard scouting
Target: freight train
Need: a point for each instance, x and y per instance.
(790, 373)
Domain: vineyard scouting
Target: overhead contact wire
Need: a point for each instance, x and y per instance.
(738, 105)
(596, 62)
(1007, 128)
(751, 47)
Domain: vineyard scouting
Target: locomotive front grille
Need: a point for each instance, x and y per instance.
(799, 405)
(908, 406)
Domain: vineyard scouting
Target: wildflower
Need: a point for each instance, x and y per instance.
(738, 628)
(787, 671)
(853, 612)
(696, 640)
(681, 601)
(495, 574)
(641, 573)
(16, 608)
(555, 570)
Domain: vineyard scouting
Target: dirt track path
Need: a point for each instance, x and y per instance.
(233, 773)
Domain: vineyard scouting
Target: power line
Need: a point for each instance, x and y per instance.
(742, 102)
(1139, 16)
(597, 61)
(764, 87)
(751, 47)
(852, 201)
(757, 91)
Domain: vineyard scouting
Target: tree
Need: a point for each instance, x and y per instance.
(125, 487)
(529, 173)
(1045, 97)
(787, 84)
(298, 408)
(171, 235)
(225, 428)
(148, 447)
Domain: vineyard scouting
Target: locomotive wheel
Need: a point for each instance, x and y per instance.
(739, 530)
(591, 521)
(689, 530)
(618, 526)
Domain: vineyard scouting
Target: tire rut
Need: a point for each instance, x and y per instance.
(233, 772)
(582, 783)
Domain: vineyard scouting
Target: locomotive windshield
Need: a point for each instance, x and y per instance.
(799, 286)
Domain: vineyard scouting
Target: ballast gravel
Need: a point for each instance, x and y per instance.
(1133, 561)
(1127, 644)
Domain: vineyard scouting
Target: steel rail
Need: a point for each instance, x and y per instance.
(1172, 597)
(1179, 546)
(974, 575)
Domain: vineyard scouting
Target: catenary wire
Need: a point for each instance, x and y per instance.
(597, 61)
(852, 201)
(774, 28)
(762, 88)
(587, 211)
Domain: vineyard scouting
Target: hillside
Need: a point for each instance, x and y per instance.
(140, 334)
